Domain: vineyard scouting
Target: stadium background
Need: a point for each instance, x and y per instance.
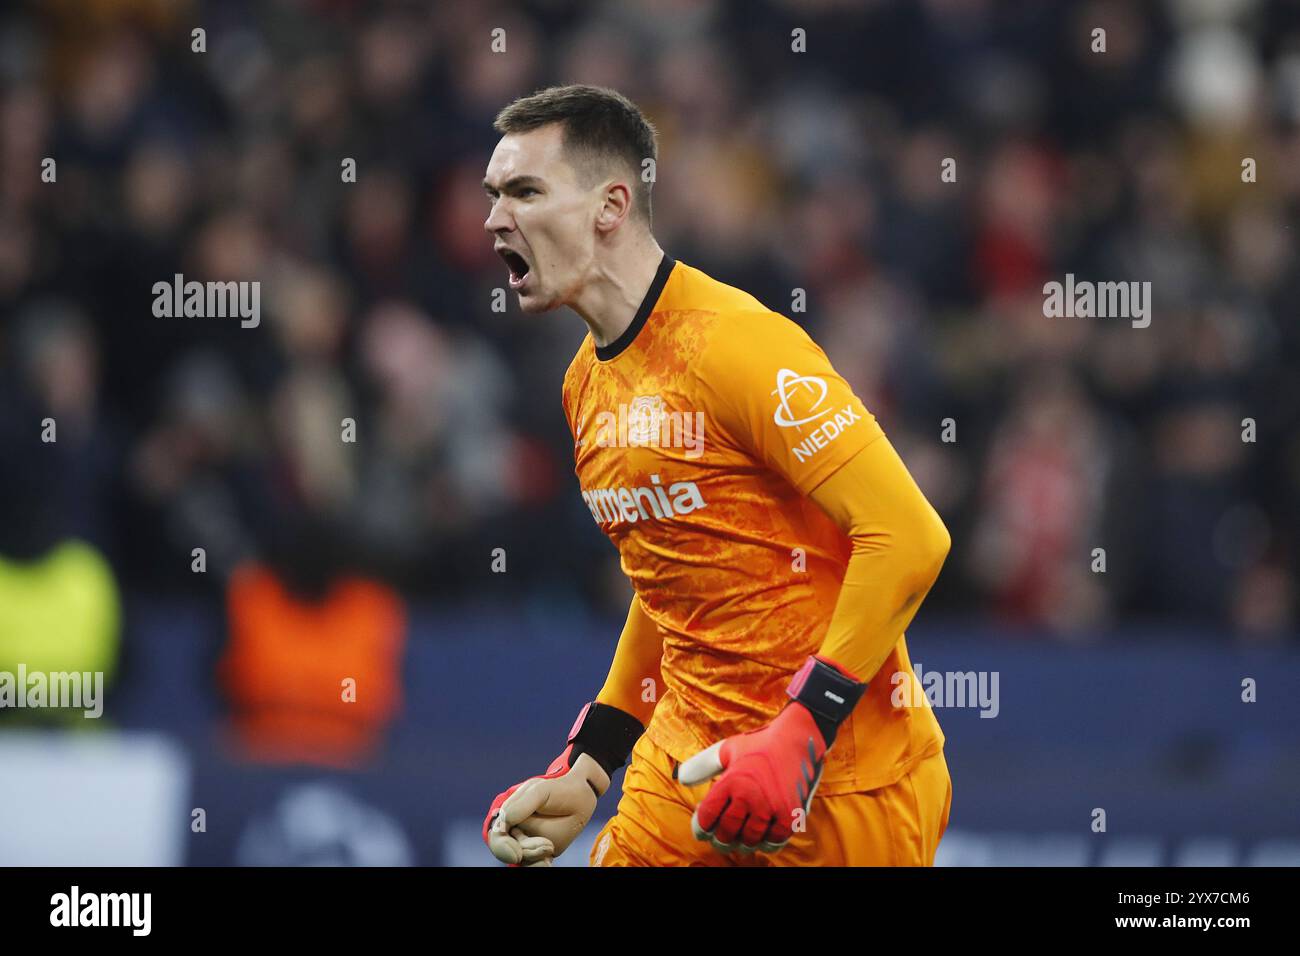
(778, 171)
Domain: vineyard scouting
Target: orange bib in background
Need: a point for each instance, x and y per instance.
(312, 682)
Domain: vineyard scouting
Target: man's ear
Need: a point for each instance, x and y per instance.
(616, 207)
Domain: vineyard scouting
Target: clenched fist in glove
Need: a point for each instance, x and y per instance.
(535, 821)
(769, 773)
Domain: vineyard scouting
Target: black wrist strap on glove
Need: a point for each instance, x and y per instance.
(830, 694)
(606, 733)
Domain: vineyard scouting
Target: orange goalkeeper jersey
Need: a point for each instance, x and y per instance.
(697, 435)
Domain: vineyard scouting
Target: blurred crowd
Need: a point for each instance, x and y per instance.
(1040, 440)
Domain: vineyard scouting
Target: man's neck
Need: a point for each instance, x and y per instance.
(609, 301)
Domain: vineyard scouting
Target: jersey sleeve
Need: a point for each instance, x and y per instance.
(774, 393)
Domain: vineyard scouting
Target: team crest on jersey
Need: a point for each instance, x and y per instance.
(644, 419)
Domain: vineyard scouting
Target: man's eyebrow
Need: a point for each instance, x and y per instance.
(513, 183)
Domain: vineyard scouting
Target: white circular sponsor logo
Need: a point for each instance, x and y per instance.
(793, 386)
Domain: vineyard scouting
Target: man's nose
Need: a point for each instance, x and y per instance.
(497, 220)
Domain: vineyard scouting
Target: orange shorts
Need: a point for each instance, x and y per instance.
(897, 825)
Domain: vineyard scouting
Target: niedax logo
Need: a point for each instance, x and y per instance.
(792, 385)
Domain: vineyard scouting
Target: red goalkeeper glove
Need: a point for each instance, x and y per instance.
(770, 774)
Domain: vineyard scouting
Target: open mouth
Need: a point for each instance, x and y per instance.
(517, 264)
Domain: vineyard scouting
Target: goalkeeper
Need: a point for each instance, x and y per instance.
(777, 546)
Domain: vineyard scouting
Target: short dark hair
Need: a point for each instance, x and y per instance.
(600, 126)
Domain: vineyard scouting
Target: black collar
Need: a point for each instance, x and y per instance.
(607, 352)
